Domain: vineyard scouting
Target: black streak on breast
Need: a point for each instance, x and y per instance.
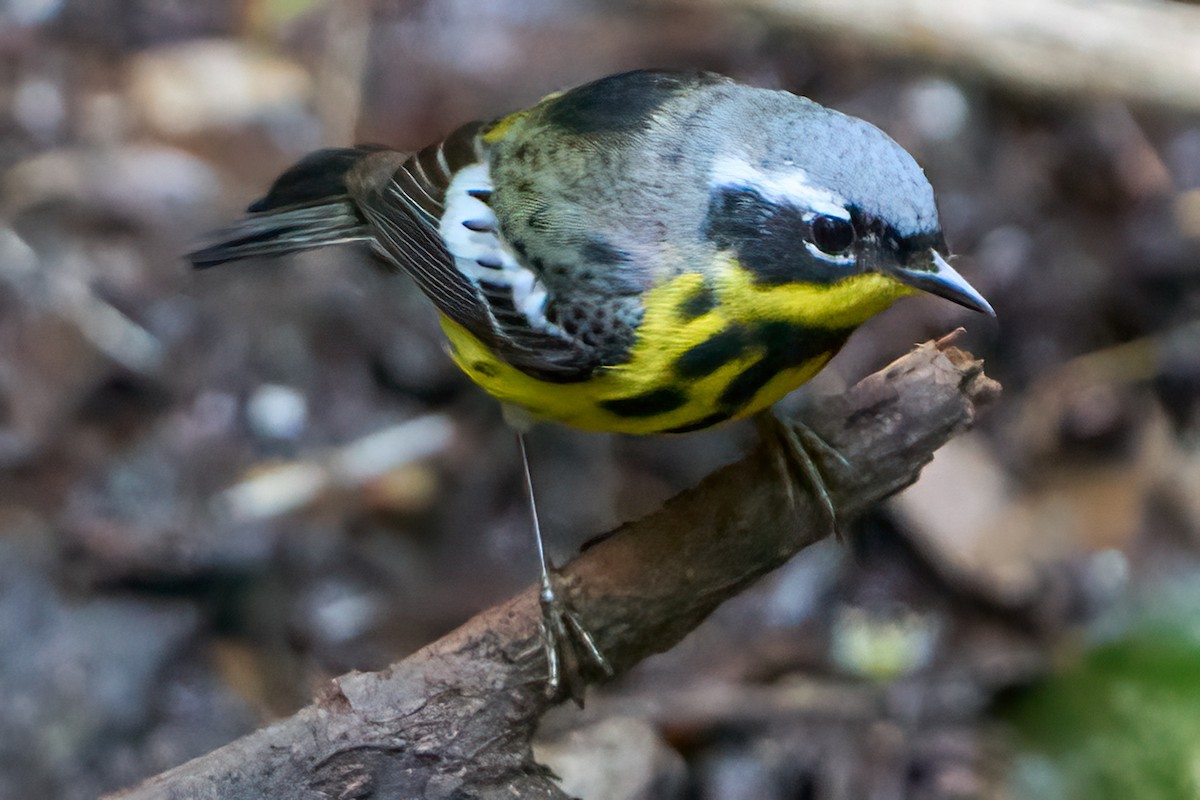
(699, 304)
(648, 404)
(785, 345)
(714, 352)
(702, 423)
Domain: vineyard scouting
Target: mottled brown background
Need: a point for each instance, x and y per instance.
(148, 615)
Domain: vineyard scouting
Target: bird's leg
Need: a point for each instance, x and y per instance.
(799, 452)
(571, 652)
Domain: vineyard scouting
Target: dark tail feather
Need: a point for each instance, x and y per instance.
(308, 206)
(274, 233)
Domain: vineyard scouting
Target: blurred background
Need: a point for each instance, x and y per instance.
(219, 489)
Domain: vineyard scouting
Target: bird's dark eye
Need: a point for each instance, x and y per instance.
(832, 235)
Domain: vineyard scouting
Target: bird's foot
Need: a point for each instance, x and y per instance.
(572, 657)
(802, 457)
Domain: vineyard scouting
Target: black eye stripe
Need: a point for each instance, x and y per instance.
(775, 241)
(769, 239)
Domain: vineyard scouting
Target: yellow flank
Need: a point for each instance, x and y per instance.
(669, 330)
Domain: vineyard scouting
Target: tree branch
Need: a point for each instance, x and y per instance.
(456, 718)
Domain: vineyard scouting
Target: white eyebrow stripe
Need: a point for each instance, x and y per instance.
(791, 186)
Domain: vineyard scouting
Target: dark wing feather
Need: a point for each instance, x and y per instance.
(405, 214)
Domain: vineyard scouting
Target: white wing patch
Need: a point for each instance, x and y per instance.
(471, 233)
(791, 186)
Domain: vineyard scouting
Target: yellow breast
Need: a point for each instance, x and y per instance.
(710, 348)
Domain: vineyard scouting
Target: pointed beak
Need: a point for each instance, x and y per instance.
(944, 281)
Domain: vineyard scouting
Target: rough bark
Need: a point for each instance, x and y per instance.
(455, 719)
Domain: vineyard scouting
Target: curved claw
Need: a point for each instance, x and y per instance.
(571, 653)
(797, 449)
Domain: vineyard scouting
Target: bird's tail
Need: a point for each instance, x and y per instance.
(308, 206)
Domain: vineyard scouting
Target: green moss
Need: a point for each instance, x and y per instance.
(1122, 724)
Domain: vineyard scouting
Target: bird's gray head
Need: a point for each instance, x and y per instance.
(805, 193)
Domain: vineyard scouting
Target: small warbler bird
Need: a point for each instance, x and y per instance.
(652, 252)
